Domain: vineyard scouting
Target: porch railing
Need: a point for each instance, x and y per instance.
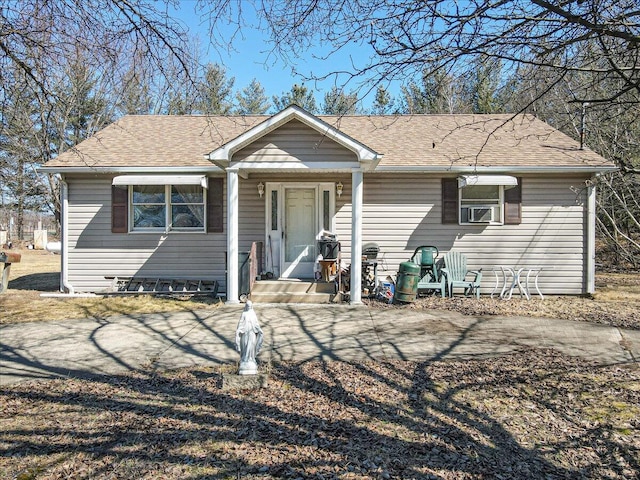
(255, 263)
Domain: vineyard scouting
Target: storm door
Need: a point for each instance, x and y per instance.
(300, 231)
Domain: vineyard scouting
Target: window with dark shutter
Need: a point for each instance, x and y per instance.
(513, 204)
(215, 206)
(119, 209)
(449, 200)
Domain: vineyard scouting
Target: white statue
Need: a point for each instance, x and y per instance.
(248, 340)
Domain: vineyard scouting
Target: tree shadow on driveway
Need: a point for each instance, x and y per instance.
(526, 414)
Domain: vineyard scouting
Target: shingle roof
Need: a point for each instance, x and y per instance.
(411, 141)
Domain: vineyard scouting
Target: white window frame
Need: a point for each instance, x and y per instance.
(482, 203)
(168, 228)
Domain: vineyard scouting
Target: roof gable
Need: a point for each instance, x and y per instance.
(294, 145)
(223, 155)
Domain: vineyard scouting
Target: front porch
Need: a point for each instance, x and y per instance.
(296, 161)
(331, 283)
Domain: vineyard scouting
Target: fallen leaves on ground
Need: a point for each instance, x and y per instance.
(622, 313)
(532, 414)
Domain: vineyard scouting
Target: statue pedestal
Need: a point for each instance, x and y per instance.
(232, 381)
(248, 368)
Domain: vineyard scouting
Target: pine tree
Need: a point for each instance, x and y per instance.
(136, 95)
(298, 95)
(483, 86)
(20, 150)
(336, 102)
(252, 100)
(413, 99)
(80, 110)
(437, 92)
(215, 91)
(383, 102)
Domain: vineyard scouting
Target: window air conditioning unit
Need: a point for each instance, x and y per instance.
(480, 214)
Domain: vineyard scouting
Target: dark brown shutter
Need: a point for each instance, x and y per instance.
(450, 200)
(119, 209)
(215, 206)
(513, 205)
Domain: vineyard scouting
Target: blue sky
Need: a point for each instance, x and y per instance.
(252, 59)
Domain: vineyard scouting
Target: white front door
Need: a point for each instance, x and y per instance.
(296, 214)
(300, 227)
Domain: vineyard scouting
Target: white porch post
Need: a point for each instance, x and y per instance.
(356, 236)
(232, 236)
(591, 239)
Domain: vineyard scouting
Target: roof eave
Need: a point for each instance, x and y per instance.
(145, 169)
(496, 169)
(372, 165)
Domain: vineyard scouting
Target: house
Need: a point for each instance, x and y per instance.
(183, 196)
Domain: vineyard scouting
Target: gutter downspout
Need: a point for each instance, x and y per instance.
(591, 238)
(64, 250)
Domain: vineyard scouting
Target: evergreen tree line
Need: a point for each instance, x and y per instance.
(480, 89)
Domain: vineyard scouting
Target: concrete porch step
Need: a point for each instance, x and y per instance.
(293, 291)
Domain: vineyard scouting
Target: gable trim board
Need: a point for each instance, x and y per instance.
(389, 200)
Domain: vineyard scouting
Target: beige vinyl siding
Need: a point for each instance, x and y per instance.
(343, 219)
(96, 253)
(403, 212)
(251, 213)
(292, 143)
(400, 212)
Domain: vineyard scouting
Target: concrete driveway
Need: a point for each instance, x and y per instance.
(94, 347)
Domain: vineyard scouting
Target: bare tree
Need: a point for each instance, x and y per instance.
(567, 60)
(20, 152)
(36, 127)
(406, 38)
(618, 219)
(54, 28)
(68, 61)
